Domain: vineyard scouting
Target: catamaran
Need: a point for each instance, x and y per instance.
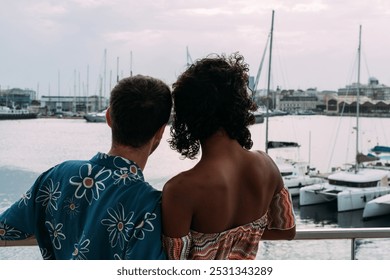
(351, 188)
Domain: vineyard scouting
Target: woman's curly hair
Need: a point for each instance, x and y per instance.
(212, 94)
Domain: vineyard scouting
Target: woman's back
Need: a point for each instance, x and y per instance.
(230, 199)
(229, 187)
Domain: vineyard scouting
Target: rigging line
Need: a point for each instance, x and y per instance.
(348, 139)
(281, 67)
(384, 133)
(342, 111)
(366, 64)
(261, 64)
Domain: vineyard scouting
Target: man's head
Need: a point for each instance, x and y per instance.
(139, 107)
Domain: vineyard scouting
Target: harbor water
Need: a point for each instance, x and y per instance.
(29, 147)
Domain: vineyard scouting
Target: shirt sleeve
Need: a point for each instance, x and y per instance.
(18, 221)
(280, 213)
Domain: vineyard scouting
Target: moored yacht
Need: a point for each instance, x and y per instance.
(296, 175)
(377, 207)
(7, 113)
(96, 117)
(352, 189)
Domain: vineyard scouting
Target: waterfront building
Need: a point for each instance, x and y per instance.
(73, 105)
(17, 98)
(373, 89)
(374, 100)
(295, 101)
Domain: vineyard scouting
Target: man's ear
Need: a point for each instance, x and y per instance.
(157, 138)
(108, 118)
(160, 131)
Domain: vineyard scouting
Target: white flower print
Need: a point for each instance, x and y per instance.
(46, 255)
(71, 207)
(24, 199)
(80, 249)
(89, 183)
(48, 195)
(8, 233)
(119, 224)
(117, 257)
(145, 226)
(56, 234)
(121, 175)
(128, 171)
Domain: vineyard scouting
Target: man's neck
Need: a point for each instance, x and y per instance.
(137, 155)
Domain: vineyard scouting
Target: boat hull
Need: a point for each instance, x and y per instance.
(295, 183)
(347, 198)
(95, 118)
(18, 116)
(377, 207)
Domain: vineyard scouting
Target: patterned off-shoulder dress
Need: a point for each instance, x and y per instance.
(239, 243)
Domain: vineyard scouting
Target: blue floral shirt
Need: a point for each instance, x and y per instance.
(96, 209)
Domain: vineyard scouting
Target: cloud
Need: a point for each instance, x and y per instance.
(309, 7)
(43, 36)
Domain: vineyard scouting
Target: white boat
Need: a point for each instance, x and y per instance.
(296, 175)
(377, 207)
(354, 187)
(7, 113)
(259, 116)
(380, 159)
(96, 117)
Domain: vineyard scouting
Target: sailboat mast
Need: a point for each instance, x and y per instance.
(117, 69)
(269, 81)
(358, 99)
(131, 64)
(189, 58)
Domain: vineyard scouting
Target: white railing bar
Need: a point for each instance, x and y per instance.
(342, 233)
(301, 234)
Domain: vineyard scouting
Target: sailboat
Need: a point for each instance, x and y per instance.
(381, 205)
(100, 115)
(351, 188)
(7, 113)
(295, 174)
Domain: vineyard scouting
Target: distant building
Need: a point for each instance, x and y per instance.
(296, 101)
(373, 90)
(374, 99)
(72, 104)
(17, 98)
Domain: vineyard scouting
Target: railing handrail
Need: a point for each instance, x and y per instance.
(342, 233)
(301, 234)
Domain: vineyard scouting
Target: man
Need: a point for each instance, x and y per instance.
(101, 208)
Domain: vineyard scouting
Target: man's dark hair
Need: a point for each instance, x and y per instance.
(139, 106)
(212, 94)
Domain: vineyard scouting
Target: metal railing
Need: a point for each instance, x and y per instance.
(301, 234)
(343, 233)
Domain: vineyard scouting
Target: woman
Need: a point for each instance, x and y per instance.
(233, 197)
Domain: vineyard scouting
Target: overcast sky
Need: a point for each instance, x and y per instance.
(49, 45)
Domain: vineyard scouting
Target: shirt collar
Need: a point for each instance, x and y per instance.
(119, 164)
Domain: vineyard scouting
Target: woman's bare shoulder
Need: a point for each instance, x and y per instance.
(263, 157)
(268, 165)
(181, 183)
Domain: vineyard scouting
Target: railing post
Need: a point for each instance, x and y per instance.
(352, 248)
